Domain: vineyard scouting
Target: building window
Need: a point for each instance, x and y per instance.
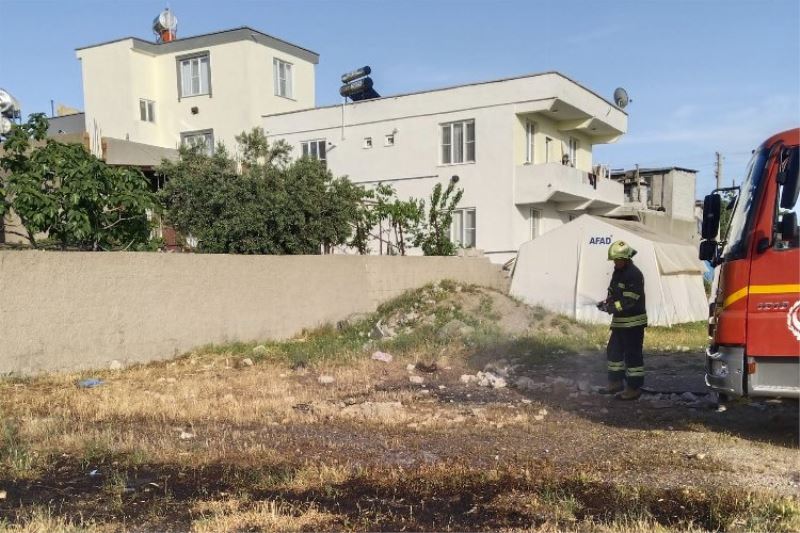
(389, 140)
(462, 229)
(315, 150)
(573, 151)
(282, 74)
(458, 142)
(367, 142)
(203, 140)
(195, 76)
(147, 110)
(529, 130)
(536, 222)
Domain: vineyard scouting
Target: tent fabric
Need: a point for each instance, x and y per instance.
(674, 256)
(567, 270)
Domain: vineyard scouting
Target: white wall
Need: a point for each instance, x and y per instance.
(680, 203)
(117, 75)
(413, 165)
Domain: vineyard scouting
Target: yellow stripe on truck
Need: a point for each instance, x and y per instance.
(760, 289)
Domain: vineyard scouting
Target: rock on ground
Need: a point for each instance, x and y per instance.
(452, 329)
(382, 356)
(380, 411)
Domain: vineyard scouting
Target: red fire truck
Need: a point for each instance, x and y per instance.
(754, 317)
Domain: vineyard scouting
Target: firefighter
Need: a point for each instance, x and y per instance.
(626, 303)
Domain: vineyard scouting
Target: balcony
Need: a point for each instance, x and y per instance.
(567, 187)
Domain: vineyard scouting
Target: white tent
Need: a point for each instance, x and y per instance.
(567, 270)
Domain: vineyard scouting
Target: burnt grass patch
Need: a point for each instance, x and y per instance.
(439, 497)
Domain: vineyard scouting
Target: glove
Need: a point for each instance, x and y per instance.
(603, 306)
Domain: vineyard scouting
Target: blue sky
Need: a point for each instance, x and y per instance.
(704, 75)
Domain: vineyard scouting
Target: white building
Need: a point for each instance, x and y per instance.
(203, 89)
(521, 148)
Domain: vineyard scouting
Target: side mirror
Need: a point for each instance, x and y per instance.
(708, 251)
(712, 207)
(788, 227)
(789, 177)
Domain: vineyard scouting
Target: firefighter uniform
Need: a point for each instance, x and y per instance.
(629, 318)
(626, 303)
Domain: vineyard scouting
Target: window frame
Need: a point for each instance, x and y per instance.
(179, 60)
(149, 109)
(530, 148)
(196, 133)
(465, 142)
(389, 140)
(317, 142)
(289, 80)
(573, 144)
(535, 222)
(367, 143)
(459, 240)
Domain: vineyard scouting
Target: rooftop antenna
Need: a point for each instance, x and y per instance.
(621, 98)
(165, 26)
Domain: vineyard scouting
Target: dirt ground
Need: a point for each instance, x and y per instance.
(487, 417)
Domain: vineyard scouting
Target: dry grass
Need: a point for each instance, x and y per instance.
(205, 443)
(266, 516)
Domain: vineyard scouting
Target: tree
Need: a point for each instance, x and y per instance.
(402, 217)
(257, 150)
(62, 193)
(271, 206)
(434, 235)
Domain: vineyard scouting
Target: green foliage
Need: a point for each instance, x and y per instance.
(64, 194)
(270, 207)
(401, 218)
(267, 204)
(256, 149)
(434, 236)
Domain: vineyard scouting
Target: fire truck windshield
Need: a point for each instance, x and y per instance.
(741, 221)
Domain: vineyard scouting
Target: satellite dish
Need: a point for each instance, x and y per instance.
(621, 97)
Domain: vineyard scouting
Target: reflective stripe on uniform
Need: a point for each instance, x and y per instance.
(618, 305)
(629, 321)
(635, 371)
(630, 295)
(615, 366)
(621, 285)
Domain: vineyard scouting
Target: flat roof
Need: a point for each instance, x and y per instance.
(652, 170)
(450, 87)
(243, 33)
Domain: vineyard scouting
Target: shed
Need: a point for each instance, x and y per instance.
(567, 270)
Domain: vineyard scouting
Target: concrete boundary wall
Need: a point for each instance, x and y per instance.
(70, 310)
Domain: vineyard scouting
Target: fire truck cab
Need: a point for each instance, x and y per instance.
(754, 316)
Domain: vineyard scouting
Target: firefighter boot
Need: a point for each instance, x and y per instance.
(629, 394)
(612, 388)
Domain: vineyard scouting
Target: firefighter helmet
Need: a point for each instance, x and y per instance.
(620, 250)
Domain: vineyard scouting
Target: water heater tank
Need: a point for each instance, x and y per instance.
(165, 26)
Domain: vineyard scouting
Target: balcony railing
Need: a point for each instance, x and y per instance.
(569, 187)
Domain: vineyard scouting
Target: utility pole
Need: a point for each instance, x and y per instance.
(718, 169)
(638, 184)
